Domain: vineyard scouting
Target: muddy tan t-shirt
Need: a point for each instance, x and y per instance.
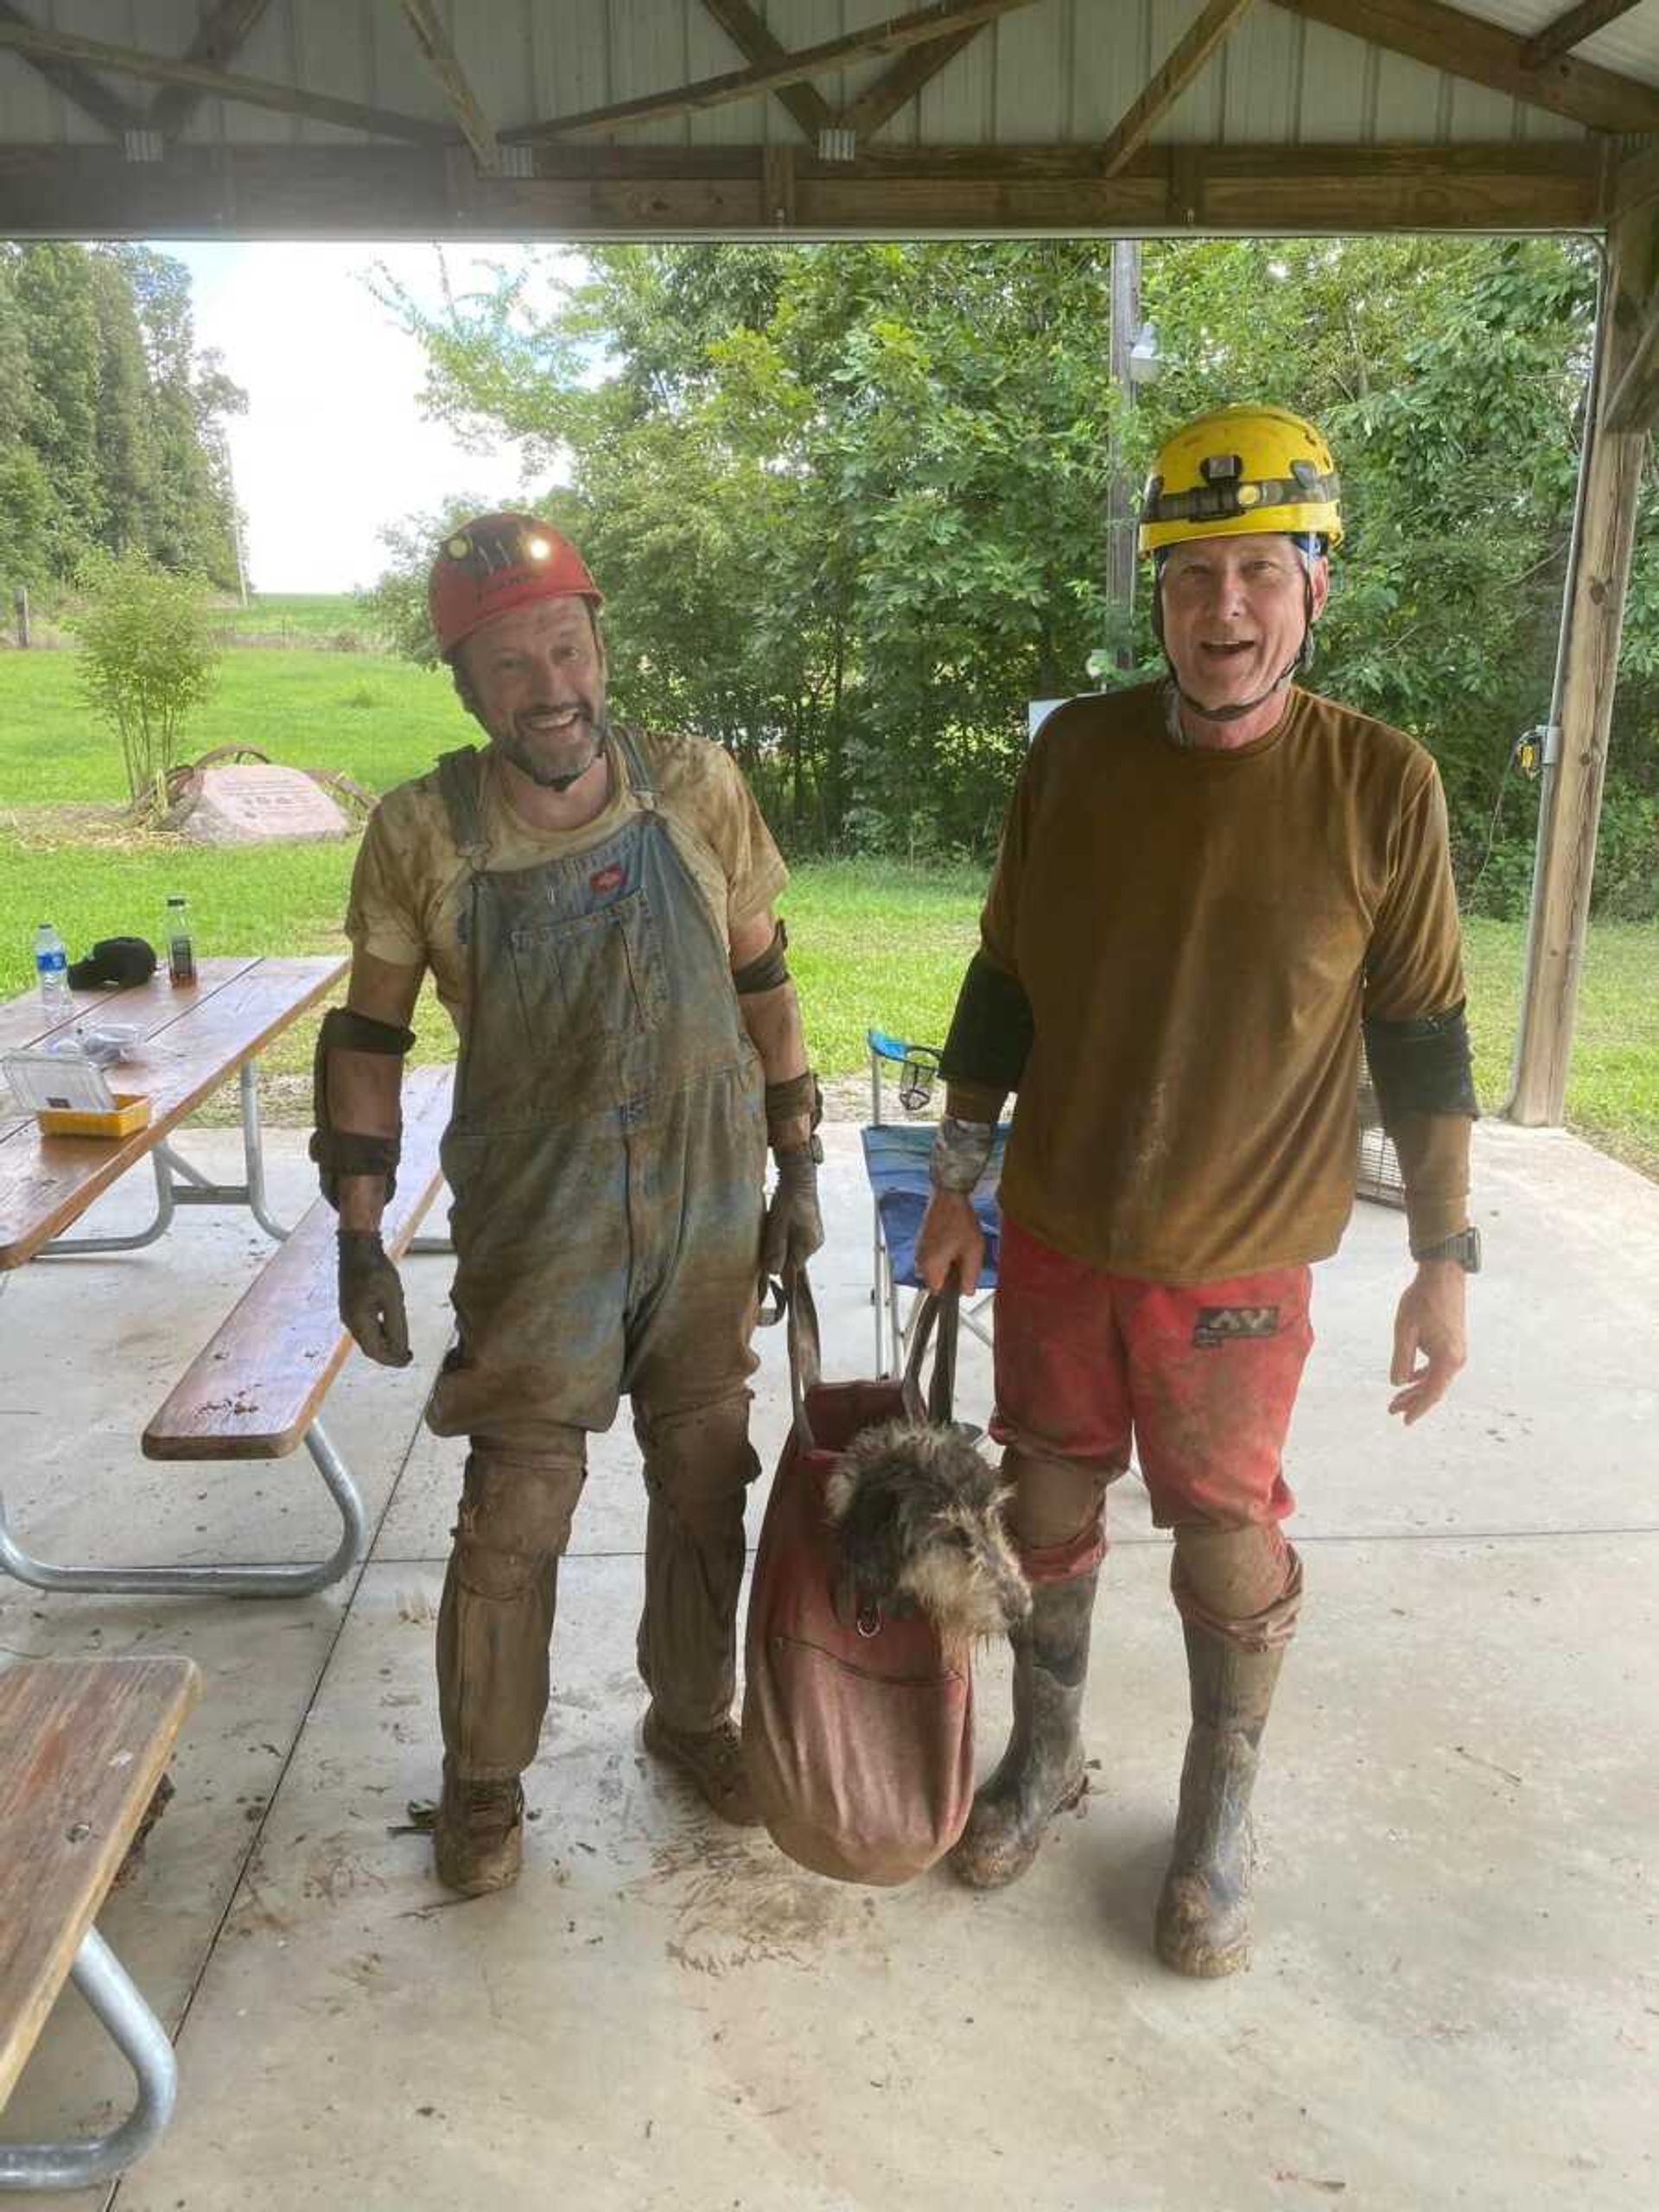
(1198, 932)
(409, 889)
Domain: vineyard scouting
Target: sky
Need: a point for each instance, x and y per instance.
(333, 445)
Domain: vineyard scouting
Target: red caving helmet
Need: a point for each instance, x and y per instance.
(495, 562)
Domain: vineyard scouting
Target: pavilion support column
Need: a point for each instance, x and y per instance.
(1571, 801)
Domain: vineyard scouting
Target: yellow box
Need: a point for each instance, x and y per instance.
(131, 1112)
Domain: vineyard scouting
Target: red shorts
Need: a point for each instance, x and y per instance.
(1200, 1377)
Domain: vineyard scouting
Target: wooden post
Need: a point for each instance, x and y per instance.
(1120, 490)
(1571, 803)
(20, 607)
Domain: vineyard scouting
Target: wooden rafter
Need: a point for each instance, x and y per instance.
(76, 83)
(750, 36)
(1188, 56)
(1571, 29)
(1464, 46)
(254, 92)
(220, 38)
(895, 35)
(440, 58)
(896, 87)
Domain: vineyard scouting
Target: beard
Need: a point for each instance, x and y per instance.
(556, 768)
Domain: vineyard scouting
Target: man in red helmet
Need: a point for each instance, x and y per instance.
(596, 906)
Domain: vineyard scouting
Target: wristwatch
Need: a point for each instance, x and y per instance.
(1463, 1247)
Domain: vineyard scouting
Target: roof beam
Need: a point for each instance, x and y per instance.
(879, 102)
(1189, 55)
(440, 58)
(1571, 29)
(78, 85)
(1465, 46)
(386, 190)
(893, 36)
(750, 36)
(253, 92)
(218, 39)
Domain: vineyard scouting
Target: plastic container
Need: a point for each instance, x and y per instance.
(180, 947)
(129, 1113)
(52, 970)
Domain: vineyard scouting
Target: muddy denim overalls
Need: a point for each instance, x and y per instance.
(606, 1156)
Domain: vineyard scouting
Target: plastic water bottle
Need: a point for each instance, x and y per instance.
(52, 968)
(181, 952)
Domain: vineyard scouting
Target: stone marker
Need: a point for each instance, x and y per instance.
(249, 806)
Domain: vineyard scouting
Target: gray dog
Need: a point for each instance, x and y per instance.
(918, 1512)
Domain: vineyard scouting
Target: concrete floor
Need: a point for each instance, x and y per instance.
(1456, 1993)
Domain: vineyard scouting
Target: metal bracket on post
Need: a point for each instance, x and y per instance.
(119, 2008)
(245, 1581)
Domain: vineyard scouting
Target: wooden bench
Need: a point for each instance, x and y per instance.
(256, 1391)
(83, 1746)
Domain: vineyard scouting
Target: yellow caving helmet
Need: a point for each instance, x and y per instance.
(1237, 470)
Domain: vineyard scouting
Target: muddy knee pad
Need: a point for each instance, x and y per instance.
(496, 1617)
(1058, 1513)
(699, 1462)
(1245, 1584)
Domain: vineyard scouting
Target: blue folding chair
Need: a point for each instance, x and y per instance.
(895, 1160)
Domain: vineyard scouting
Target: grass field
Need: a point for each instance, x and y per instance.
(870, 941)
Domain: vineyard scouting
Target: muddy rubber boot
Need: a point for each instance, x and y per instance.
(712, 1760)
(1041, 1772)
(478, 1838)
(1203, 1925)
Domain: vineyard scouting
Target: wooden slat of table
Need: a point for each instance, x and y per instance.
(82, 1743)
(46, 1182)
(255, 1388)
(147, 1008)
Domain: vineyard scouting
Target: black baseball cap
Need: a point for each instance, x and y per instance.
(114, 960)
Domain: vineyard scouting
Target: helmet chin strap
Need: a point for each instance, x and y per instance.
(1303, 655)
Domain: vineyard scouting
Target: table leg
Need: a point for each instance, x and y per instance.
(143, 2042)
(230, 1581)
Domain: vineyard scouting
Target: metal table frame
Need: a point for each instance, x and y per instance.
(178, 1183)
(120, 2009)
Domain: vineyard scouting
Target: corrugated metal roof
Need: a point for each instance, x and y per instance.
(1057, 71)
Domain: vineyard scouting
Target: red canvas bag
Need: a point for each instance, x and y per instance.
(858, 1734)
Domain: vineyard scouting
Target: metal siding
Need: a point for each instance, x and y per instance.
(648, 55)
(1030, 95)
(1111, 66)
(1479, 112)
(745, 122)
(1262, 74)
(1335, 103)
(573, 68)
(1407, 102)
(495, 53)
(957, 108)
(1195, 118)
(1629, 47)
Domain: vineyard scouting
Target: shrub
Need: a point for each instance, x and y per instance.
(148, 658)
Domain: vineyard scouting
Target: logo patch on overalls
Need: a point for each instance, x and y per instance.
(1226, 1325)
(607, 879)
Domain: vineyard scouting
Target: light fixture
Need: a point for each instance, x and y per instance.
(1146, 362)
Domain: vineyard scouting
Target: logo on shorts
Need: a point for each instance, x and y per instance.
(1225, 1324)
(607, 879)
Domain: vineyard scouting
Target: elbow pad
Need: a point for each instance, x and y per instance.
(767, 971)
(1421, 1066)
(349, 1152)
(991, 1030)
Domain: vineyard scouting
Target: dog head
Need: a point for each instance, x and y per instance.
(918, 1513)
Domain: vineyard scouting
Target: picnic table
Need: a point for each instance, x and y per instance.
(192, 1039)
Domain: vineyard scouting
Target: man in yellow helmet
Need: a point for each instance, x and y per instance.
(1208, 887)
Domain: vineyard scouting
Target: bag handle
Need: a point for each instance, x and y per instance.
(941, 1311)
(805, 1347)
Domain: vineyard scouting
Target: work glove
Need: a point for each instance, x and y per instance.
(793, 1228)
(371, 1297)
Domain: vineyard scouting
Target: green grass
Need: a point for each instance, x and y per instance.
(871, 942)
(292, 618)
(361, 714)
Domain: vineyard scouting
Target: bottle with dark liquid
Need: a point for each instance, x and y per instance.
(181, 952)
